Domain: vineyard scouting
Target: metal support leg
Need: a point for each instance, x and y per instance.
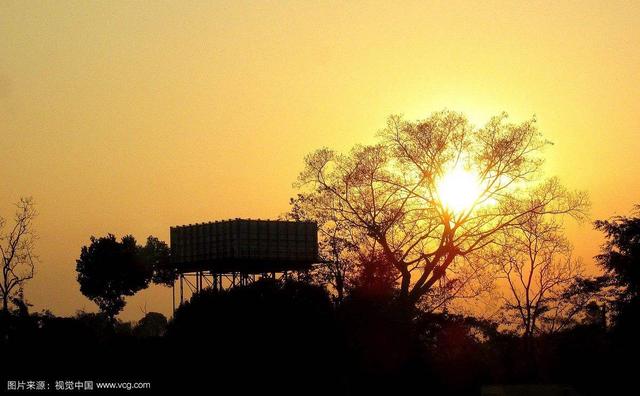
(181, 289)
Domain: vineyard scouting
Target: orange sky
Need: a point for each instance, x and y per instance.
(129, 117)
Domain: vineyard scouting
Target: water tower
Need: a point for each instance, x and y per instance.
(224, 254)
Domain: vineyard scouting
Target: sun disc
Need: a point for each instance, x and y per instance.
(458, 189)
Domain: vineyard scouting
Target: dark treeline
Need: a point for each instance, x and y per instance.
(288, 336)
(292, 336)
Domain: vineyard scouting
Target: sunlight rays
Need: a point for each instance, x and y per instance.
(458, 189)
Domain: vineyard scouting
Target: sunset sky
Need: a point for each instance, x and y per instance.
(130, 117)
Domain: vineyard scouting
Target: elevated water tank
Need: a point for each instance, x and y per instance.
(247, 246)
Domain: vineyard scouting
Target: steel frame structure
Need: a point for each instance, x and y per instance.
(197, 281)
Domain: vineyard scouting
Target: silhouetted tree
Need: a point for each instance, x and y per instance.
(266, 328)
(153, 324)
(22, 306)
(157, 254)
(595, 314)
(620, 258)
(109, 269)
(388, 192)
(17, 251)
(279, 309)
(534, 260)
(590, 298)
(336, 245)
(375, 275)
(456, 350)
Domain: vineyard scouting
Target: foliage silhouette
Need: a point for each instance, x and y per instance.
(620, 255)
(157, 254)
(336, 247)
(620, 258)
(535, 262)
(109, 269)
(153, 324)
(268, 329)
(375, 276)
(288, 338)
(387, 196)
(17, 243)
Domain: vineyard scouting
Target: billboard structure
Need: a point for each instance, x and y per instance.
(227, 253)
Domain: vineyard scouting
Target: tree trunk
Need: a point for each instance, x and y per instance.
(4, 320)
(530, 356)
(340, 287)
(5, 304)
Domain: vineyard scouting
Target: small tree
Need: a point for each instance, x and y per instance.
(108, 270)
(620, 258)
(17, 251)
(153, 324)
(534, 260)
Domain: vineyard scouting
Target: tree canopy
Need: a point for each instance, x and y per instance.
(390, 194)
(620, 255)
(109, 269)
(620, 258)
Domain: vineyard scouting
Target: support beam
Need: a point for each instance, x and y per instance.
(217, 282)
(181, 289)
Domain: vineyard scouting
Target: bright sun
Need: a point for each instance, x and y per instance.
(458, 189)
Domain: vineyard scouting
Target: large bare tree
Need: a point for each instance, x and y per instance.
(17, 250)
(391, 192)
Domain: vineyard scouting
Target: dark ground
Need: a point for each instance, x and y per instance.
(272, 338)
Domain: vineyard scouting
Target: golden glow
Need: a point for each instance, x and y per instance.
(129, 117)
(458, 189)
